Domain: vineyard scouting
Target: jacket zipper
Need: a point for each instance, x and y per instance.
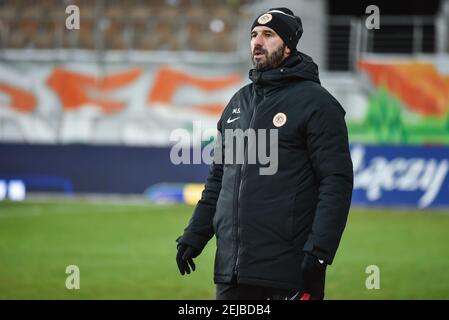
(242, 170)
(236, 209)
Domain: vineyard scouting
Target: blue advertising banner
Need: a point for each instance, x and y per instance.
(401, 176)
(93, 169)
(384, 176)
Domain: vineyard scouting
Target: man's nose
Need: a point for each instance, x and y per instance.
(258, 41)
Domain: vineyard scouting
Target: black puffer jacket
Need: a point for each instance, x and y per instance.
(264, 223)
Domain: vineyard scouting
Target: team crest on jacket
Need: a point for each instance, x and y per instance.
(279, 119)
(265, 18)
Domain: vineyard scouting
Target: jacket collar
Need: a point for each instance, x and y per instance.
(296, 67)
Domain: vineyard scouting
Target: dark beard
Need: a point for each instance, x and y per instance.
(272, 61)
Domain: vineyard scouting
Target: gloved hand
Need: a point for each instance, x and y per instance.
(184, 258)
(313, 273)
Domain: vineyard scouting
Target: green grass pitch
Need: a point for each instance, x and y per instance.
(128, 252)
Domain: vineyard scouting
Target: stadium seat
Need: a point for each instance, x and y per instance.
(124, 24)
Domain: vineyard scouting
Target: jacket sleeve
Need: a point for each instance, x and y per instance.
(327, 142)
(200, 230)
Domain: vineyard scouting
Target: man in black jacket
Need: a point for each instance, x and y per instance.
(276, 233)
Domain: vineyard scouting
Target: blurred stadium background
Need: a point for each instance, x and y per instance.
(86, 117)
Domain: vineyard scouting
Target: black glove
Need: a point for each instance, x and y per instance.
(313, 273)
(184, 258)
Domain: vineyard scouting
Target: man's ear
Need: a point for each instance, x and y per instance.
(287, 51)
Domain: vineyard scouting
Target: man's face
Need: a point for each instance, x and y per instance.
(267, 48)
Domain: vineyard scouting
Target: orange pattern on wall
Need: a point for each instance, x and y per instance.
(418, 85)
(20, 100)
(168, 81)
(75, 90)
